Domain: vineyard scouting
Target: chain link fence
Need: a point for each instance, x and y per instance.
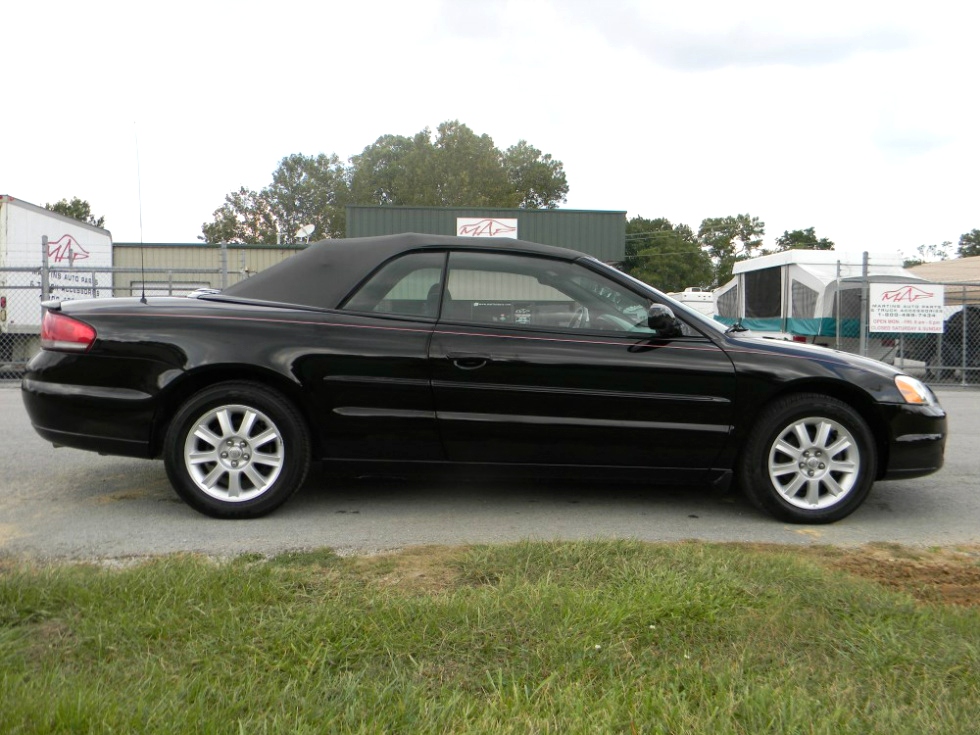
(156, 270)
(20, 290)
(950, 357)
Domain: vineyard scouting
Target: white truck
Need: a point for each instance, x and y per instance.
(74, 263)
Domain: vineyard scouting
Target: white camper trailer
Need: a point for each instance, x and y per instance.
(806, 295)
(700, 299)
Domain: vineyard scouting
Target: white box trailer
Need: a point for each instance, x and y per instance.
(77, 257)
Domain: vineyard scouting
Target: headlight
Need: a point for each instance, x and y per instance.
(914, 391)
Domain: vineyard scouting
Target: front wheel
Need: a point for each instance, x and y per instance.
(809, 459)
(236, 450)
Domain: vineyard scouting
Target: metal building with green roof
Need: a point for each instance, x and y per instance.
(598, 233)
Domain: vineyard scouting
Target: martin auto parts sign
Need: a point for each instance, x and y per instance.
(905, 307)
(486, 227)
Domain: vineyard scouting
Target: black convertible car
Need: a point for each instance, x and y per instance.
(420, 350)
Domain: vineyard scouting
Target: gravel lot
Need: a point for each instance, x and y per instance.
(64, 503)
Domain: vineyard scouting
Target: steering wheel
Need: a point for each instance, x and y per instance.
(580, 318)
(610, 323)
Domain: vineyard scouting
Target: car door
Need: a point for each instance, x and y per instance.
(367, 368)
(539, 360)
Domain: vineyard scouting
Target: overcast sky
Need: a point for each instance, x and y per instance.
(859, 119)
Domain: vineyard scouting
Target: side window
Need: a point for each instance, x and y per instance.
(539, 293)
(483, 291)
(407, 286)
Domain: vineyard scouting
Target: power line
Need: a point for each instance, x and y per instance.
(660, 253)
(653, 232)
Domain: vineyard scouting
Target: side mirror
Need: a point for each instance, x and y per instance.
(662, 319)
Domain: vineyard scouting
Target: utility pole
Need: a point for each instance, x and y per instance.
(837, 310)
(44, 268)
(863, 350)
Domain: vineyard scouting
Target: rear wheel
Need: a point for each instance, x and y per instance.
(809, 459)
(236, 450)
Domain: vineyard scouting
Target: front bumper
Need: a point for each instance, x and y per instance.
(916, 441)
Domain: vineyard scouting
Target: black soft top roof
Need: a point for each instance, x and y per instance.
(328, 270)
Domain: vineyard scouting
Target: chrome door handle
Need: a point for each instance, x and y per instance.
(469, 361)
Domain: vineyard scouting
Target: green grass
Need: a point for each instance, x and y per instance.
(530, 638)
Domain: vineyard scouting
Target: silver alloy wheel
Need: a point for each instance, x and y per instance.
(234, 453)
(814, 463)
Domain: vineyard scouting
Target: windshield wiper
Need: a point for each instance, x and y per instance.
(736, 327)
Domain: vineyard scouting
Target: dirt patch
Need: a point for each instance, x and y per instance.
(8, 532)
(424, 569)
(948, 576)
(120, 495)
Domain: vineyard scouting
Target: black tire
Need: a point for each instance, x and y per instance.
(809, 458)
(236, 450)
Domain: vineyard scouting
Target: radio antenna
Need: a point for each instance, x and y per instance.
(139, 190)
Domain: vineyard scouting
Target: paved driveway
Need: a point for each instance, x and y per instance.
(68, 503)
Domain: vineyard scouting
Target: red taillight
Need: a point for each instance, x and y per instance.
(61, 332)
(3, 302)
(799, 338)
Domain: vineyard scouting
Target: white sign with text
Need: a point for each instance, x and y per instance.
(486, 227)
(905, 307)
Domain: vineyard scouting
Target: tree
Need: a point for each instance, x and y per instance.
(382, 173)
(802, 240)
(929, 254)
(245, 217)
(538, 179)
(969, 244)
(309, 190)
(77, 209)
(667, 257)
(305, 190)
(468, 170)
(728, 239)
(455, 167)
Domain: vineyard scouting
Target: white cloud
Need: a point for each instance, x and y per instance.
(709, 36)
(854, 118)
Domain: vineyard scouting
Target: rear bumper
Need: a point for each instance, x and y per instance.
(97, 419)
